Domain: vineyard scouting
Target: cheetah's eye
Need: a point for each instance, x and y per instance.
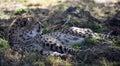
(23, 23)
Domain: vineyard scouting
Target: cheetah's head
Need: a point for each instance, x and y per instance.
(24, 28)
(28, 24)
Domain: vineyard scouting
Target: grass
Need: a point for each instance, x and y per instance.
(1, 14)
(3, 44)
(39, 2)
(116, 40)
(21, 11)
(96, 27)
(36, 59)
(89, 42)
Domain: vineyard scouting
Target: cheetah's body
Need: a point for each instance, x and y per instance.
(26, 34)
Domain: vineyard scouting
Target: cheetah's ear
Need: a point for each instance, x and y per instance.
(15, 21)
(17, 18)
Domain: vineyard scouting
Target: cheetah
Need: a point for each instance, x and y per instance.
(26, 35)
(23, 32)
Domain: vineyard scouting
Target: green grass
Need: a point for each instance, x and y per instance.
(3, 44)
(36, 59)
(21, 11)
(89, 42)
(1, 14)
(116, 40)
(96, 27)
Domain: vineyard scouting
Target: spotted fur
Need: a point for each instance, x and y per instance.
(26, 34)
(23, 29)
